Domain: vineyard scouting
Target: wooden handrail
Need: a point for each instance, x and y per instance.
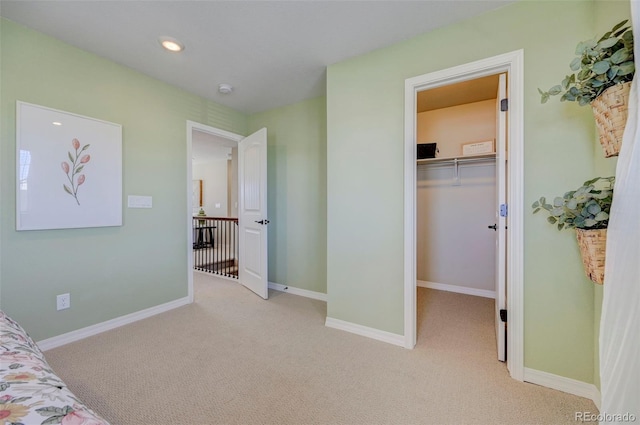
(199, 217)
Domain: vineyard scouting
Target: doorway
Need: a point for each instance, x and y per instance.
(512, 65)
(241, 181)
(459, 240)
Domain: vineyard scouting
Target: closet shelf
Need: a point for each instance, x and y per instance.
(458, 159)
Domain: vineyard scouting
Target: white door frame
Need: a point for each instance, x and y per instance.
(192, 125)
(513, 64)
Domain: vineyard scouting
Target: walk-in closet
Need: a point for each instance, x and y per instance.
(457, 189)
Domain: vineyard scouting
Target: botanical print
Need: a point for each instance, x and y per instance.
(73, 171)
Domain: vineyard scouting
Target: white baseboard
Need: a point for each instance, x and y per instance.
(57, 341)
(377, 334)
(567, 385)
(298, 291)
(455, 288)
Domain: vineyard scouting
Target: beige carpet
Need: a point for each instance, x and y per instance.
(233, 358)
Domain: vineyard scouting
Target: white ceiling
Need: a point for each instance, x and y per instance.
(207, 147)
(274, 53)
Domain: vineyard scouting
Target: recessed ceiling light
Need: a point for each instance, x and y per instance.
(56, 123)
(225, 88)
(171, 44)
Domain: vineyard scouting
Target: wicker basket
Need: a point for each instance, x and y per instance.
(593, 245)
(610, 112)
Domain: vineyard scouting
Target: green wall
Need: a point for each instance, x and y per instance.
(297, 205)
(365, 116)
(351, 222)
(110, 271)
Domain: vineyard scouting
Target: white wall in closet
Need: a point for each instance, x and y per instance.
(454, 244)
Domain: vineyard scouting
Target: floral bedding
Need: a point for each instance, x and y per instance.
(30, 392)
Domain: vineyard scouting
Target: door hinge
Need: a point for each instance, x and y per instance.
(503, 315)
(504, 210)
(504, 105)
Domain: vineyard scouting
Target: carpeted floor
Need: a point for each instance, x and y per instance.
(233, 358)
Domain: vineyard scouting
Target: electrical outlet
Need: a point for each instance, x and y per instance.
(63, 301)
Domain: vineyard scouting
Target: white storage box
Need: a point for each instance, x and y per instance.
(477, 148)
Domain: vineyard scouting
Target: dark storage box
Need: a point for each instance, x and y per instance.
(427, 150)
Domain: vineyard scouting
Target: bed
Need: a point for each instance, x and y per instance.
(30, 391)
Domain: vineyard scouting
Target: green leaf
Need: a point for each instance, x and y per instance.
(619, 25)
(576, 63)
(78, 169)
(53, 420)
(590, 222)
(51, 410)
(66, 189)
(536, 210)
(557, 211)
(85, 147)
(20, 399)
(555, 90)
(580, 48)
(70, 157)
(605, 44)
(627, 68)
(602, 216)
(552, 220)
(594, 208)
(536, 204)
(601, 67)
(620, 55)
(558, 201)
(605, 36)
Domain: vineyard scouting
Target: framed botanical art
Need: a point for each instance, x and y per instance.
(68, 170)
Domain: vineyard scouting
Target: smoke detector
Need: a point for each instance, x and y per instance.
(225, 88)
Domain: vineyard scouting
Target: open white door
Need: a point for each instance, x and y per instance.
(501, 217)
(252, 212)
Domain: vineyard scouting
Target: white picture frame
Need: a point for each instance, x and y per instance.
(68, 170)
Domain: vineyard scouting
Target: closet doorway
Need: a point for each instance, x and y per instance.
(461, 203)
(459, 187)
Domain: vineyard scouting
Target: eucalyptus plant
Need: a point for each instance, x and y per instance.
(587, 207)
(599, 65)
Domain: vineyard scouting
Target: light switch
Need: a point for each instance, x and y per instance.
(134, 201)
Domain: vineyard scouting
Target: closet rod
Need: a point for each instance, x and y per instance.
(456, 162)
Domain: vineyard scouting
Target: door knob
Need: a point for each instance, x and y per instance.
(494, 227)
(263, 222)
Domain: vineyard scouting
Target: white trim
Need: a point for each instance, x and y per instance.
(372, 333)
(192, 125)
(560, 383)
(73, 336)
(513, 63)
(455, 288)
(298, 291)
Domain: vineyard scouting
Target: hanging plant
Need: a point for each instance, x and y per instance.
(599, 64)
